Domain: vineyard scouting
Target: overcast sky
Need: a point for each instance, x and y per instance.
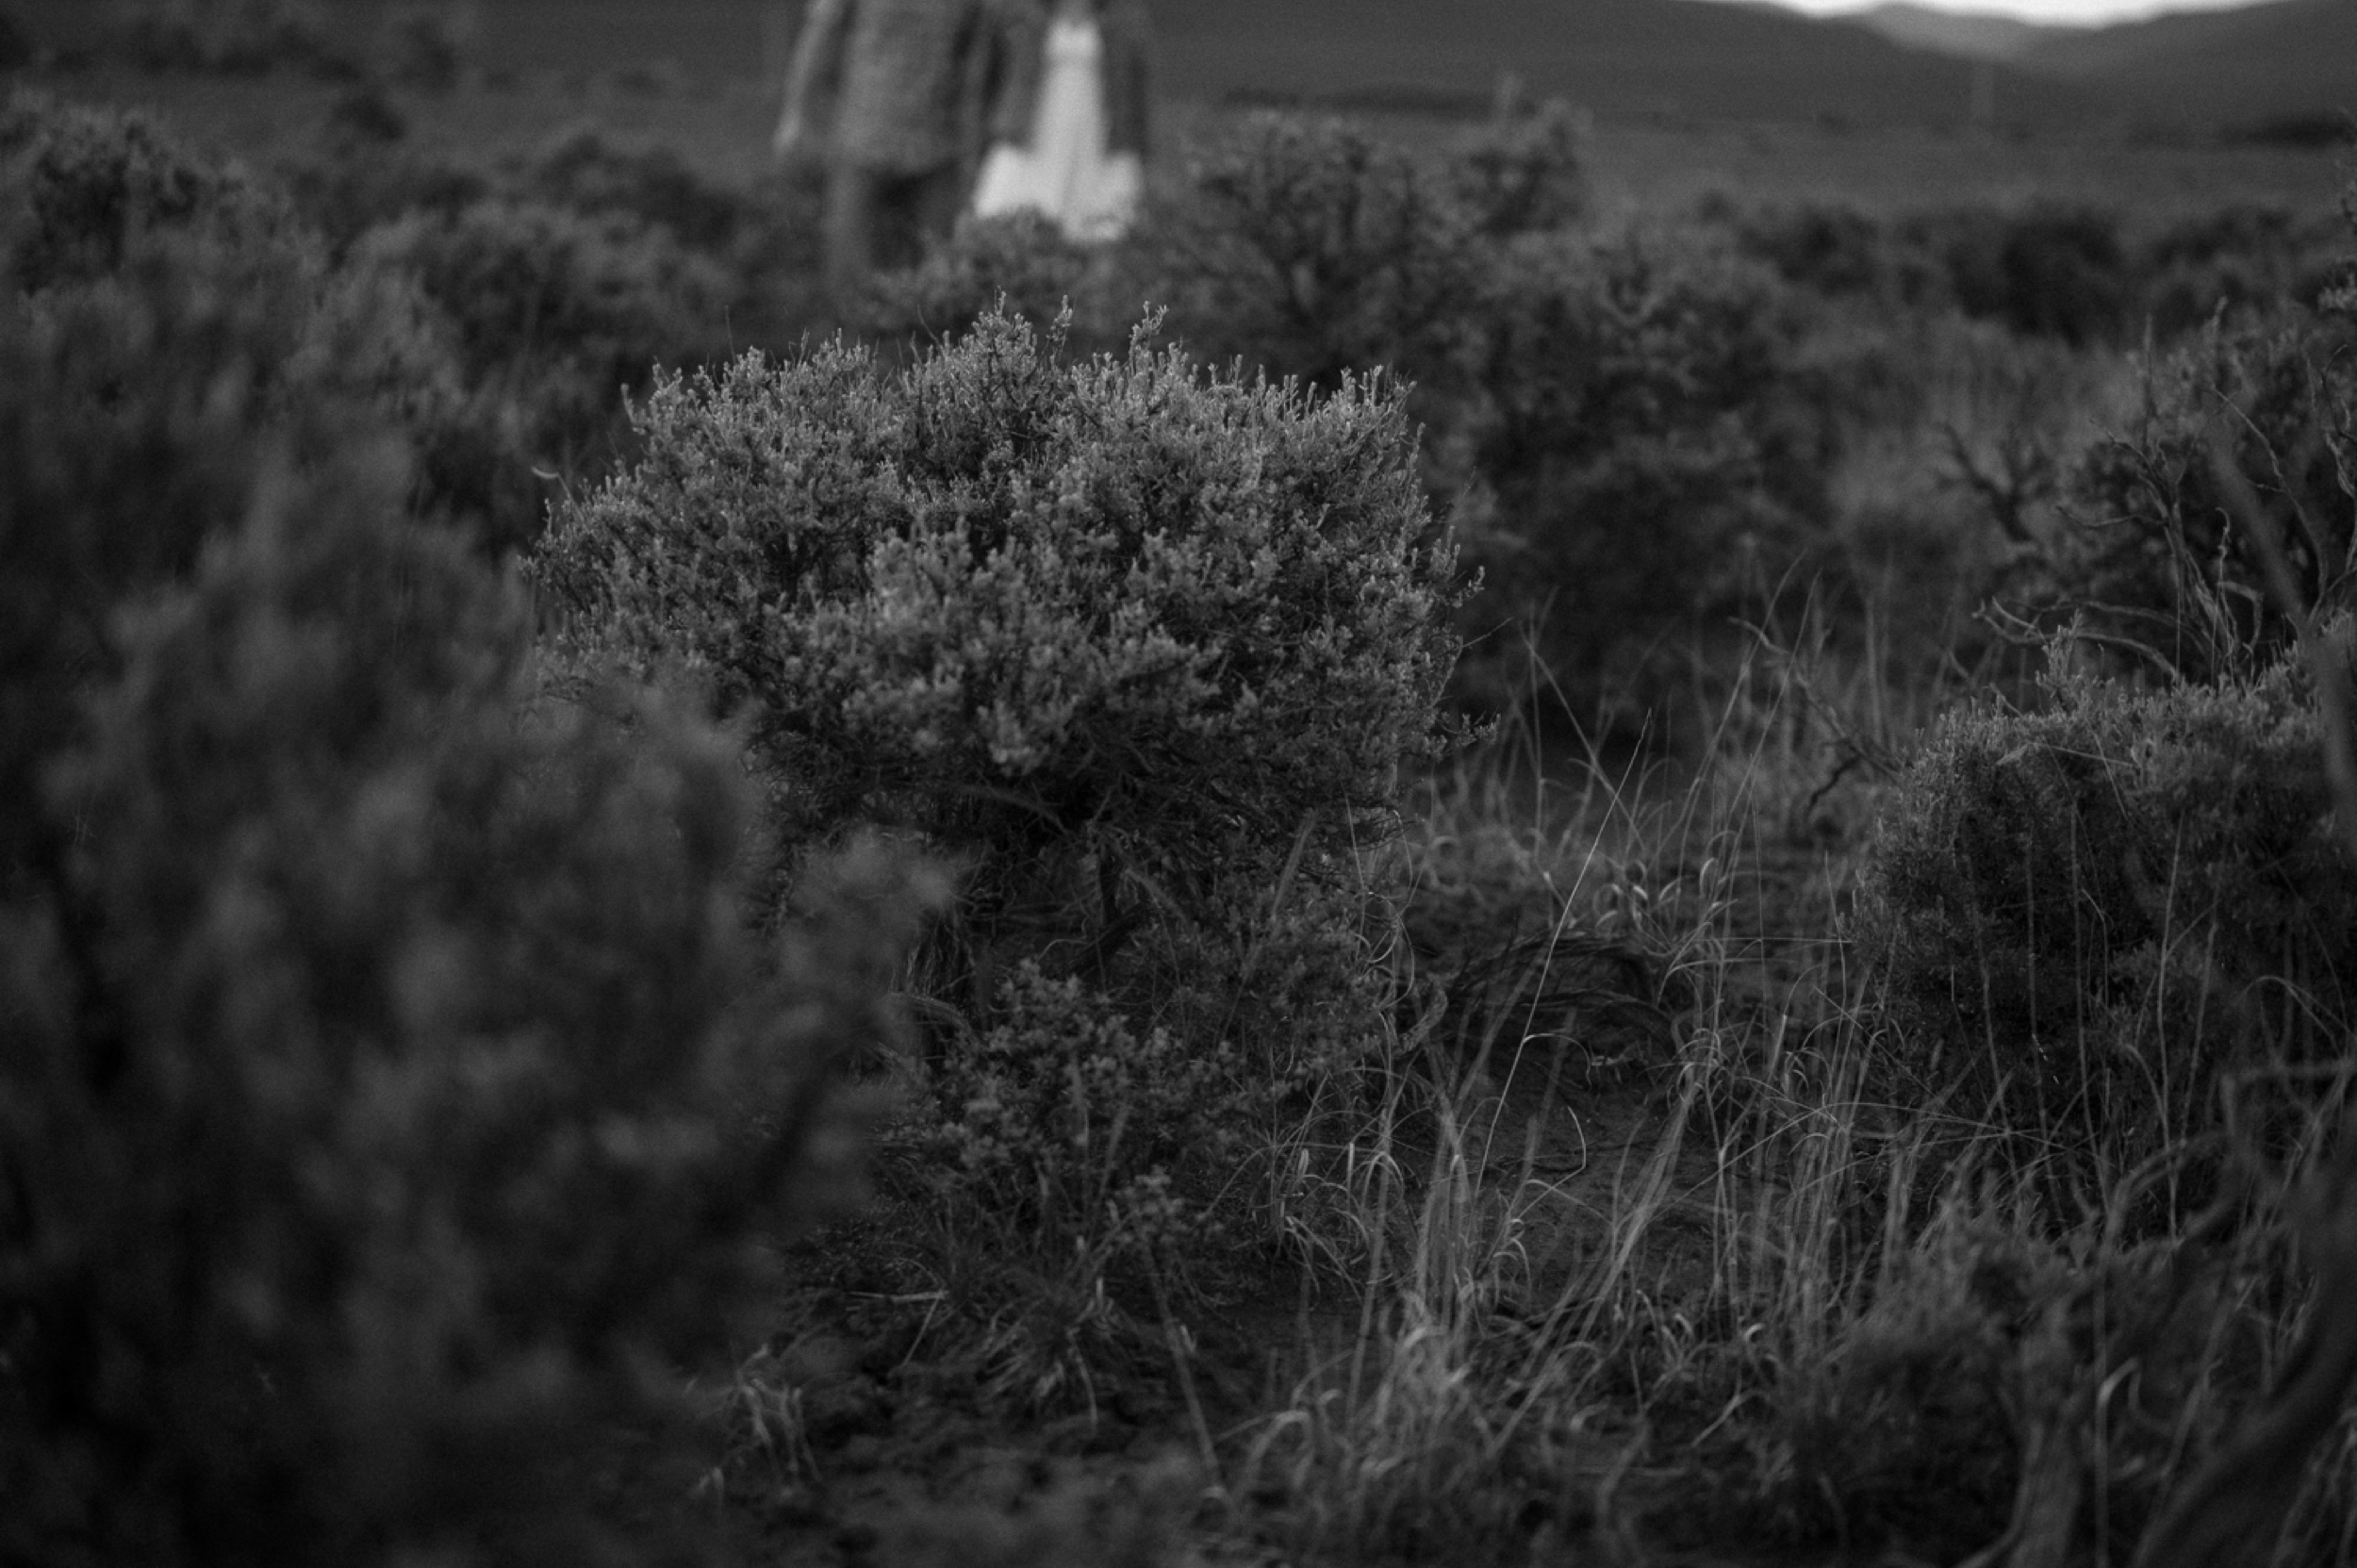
(2036, 10)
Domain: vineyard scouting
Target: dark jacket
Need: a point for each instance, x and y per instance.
(1128, 107)
(900, 86)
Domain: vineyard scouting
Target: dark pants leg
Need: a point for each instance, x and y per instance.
(880, 217)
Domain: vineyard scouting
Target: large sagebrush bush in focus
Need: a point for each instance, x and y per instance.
(395, 1094)
(1144, 646)
(2090, 915)
(1003, 598)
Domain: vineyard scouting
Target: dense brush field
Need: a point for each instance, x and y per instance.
(1423, 868)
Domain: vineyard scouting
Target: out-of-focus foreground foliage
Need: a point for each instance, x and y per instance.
(399, 1094)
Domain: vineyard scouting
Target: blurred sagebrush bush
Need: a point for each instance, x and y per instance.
(2161, 559)
(1313, 248)
(238, 38)
(503, 318)
(397, 1091)
(2078, 275)
(1600, 413)
(1019, 265)
(762, 244)
(89, 189)
(151, 268)
(1641, 456)
(2089, 917)
(554, 314)
(2043, 270)
(589, 172)
(562, 279)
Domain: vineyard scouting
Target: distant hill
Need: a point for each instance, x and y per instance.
(1900, 63)
(2275, 60)
(1685, 58)
(1972, 35)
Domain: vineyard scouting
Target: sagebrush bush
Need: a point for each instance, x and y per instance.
(2162, 558)
(396, 1088)
(2047, 271)
(87, 189)
(365, 175)
(1066, 1121)
(554, 314)
(1007, 599)
(1834, 250)
(1021, 266)
(2079, 275)
(2242, 260)
(1314, 248)
(1600, 413)
(238, 38)
(1301, 247)
(155, 267)
(586, 172)
(161, 370)
(1634, 473)
(2043, 271)
(1910, 1434)
(761, 244)
(1146, 647)
(2087, 917)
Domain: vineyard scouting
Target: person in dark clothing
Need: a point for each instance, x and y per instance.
(894, 97)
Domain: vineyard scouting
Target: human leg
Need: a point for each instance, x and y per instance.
(850, 226)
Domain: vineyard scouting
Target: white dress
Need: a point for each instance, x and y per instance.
(1066, 172)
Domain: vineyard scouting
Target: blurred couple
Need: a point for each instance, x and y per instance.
(922, 110)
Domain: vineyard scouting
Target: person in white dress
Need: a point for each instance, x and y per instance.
(1069, 135)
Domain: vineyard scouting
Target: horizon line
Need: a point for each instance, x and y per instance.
(2057, 13)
